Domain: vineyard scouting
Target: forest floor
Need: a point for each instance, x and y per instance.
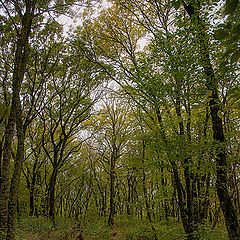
(125, 228)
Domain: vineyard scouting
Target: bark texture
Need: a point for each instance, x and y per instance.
(8, 201)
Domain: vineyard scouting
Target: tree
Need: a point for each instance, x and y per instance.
(20, 63)
(193, 8)
(112, 131)
(23, 16)
(158, 84)
(67, 109)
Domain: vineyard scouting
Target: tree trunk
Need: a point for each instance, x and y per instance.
(32, 192)
(129, 207)
(5, 171)
(112, 192)
(166, 202)
(227, 207)
(52, 186)
(145, 191)
(20, 62)
(186, 221)
(190, 217)
(13, 196)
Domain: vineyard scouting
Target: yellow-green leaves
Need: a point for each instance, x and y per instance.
(220, 114)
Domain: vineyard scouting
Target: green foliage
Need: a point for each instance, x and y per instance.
(35, 224)
(125, 228)
(176, 4)
(205, 232)
(165, 77)
(231, 6)
(221, 34)
(229, 31)
(138, 231)
(29, 228)
(133, 228)
(96, 230)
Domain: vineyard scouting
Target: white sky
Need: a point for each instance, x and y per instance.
(69, 22)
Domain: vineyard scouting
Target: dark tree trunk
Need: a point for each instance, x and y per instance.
(112, 191)
(20, 62)
(190, 217)
(13, 197)
(129, 207)
(5, 171)
(166, 203)
(186, 221)
(145, 191)
(5, 156)
(52, 186)
(32, 193)
(227, 207)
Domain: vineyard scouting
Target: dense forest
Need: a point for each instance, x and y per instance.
(124, 125)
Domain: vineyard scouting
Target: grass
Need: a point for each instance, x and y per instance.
(41, 228)
(132, 228)
(136, 229)
(125, 228)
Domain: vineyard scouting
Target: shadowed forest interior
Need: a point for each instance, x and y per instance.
(119, 119)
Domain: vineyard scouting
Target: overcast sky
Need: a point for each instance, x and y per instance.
(67, 22)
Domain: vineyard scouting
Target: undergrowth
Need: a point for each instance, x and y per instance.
(41, 228)
(132, 228)
(125, 228)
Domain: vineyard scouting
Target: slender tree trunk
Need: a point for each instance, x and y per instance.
(101, 190)
(187, 177)
(112, 191)
(187, 224)
(129, 208)
(32, 193)
(1, 153)
(145, 191)
(205, 203)
(227, 207)
(52, 186)
(166, 202)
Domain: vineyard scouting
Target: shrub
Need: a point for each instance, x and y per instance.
(96, 229)
(205, 232)
(41, 228)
